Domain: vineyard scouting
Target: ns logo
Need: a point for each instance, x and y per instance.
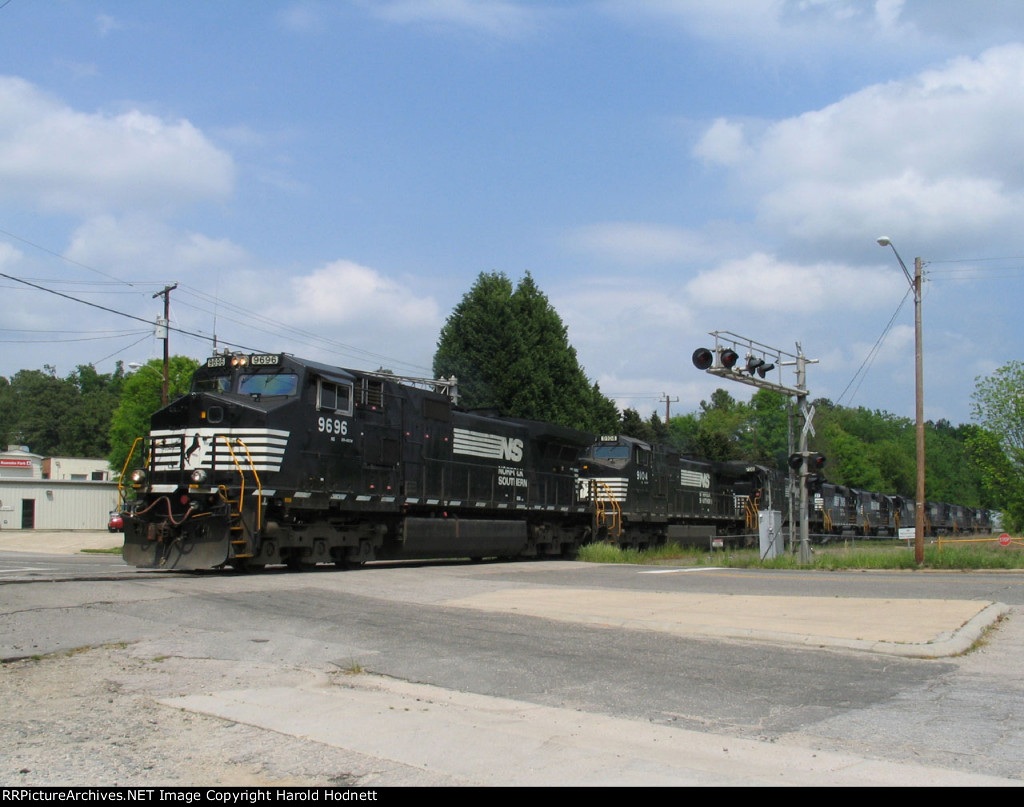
(511, 449)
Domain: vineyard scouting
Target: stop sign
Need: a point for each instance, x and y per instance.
(1004, 539)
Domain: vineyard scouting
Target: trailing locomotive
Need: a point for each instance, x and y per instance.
(272, 459)
(644, 495)
(839, 511)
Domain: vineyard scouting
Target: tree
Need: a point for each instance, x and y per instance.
(998, 451)
(651, 430)
(720, 427)
(510, 351)
(59, 416)
(767, 434)
(477, 340)
(140, 398)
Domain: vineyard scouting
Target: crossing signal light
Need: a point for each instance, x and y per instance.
(815, 461)
(726, 358)
(703, 359)
(815, 481)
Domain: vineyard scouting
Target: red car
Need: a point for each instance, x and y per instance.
(116, 522)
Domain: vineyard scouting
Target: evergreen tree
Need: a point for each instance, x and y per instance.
(510, 351)
(477, 342)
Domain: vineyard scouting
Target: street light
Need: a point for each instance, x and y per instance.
(915, 286)
(138, 367)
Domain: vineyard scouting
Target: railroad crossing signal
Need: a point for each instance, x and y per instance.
(760, 360)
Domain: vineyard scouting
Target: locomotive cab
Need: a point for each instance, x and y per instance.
(199, 486)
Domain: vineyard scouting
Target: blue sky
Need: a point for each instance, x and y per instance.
(329, 178)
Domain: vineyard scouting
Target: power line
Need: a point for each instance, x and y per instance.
(115, 311)
(873, 353)
(270, 327)
(64, 258)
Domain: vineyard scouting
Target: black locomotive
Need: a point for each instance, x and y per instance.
(644, 495)
(272, 459)
(839, 511)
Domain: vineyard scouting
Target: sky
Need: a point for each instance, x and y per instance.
(329, 179)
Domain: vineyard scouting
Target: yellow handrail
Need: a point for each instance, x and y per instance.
(600, 507)
(241, 473)
(120, 479)
(259, 485)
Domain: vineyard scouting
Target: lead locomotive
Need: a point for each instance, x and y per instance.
(272, 459)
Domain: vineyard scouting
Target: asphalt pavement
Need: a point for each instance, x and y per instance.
(921, 628)
(437, 734)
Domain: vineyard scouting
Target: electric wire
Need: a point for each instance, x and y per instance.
(872, 354)
(182, 331)
(270, 327)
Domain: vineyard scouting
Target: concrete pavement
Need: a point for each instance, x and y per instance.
(54, 542)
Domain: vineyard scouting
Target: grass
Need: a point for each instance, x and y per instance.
(881, 554)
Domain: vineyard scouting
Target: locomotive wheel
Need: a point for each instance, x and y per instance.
(299, 563)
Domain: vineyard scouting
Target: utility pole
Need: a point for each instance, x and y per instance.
(919, 395)
(808, 413)
(164, 325)
(668, 402)
(915, 286)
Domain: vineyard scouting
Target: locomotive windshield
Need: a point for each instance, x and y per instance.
(217, 383)
(268, 384)
(610, 452)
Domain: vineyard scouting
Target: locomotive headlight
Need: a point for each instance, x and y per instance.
(138, 477)
(199, 476)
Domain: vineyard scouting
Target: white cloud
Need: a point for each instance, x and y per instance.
(105, 23)
(305, 17)
(780, 26)
(938, 152)
(347, 294)
(640, 243)
(723, 143)
(789, 29)
(140, 247)
(57, 159)
(492, 17)
(8, 256)
(761, 282)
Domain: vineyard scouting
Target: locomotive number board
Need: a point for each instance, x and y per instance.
(254, 360)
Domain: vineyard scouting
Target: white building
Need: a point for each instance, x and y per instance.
(54, 493)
